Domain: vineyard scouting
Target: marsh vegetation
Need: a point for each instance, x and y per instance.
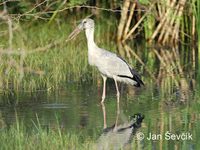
(49, 95)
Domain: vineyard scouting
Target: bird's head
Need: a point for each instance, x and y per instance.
(85, 24)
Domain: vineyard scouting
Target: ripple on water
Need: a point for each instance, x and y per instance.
(55, 106)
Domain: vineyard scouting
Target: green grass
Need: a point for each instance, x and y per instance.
(51, 66)
(17, 138)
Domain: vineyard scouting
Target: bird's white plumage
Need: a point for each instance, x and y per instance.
(108, 63)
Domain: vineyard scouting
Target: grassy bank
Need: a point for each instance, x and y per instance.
(35, 56)
(41, 58)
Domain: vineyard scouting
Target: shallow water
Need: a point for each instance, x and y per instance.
(78, 109)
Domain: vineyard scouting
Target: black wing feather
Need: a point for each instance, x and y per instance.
(136, 77)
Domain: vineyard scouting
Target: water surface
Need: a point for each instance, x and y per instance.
(77, 108)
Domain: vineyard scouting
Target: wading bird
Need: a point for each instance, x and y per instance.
(109, 64)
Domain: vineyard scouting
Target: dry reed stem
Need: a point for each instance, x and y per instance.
(168, 26)
(162, 32)
(163, 5)
(123, 19)
(175, 33)
(134, 28)
(163, 20)
(129, 19)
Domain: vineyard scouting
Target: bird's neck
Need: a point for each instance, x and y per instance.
(90, 38)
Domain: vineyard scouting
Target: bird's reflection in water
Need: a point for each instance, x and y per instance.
(119, 136)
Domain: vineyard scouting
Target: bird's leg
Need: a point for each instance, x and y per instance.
(104, 115)
(118, 94)
(104, 88)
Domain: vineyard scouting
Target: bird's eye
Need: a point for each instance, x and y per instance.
(84, 22)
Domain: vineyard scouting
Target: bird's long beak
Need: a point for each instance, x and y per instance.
(74, 33)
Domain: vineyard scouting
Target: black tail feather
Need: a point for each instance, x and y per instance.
(136, 77)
